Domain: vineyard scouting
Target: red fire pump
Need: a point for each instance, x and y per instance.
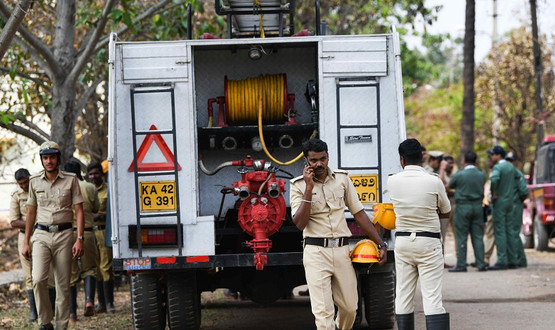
(262, 210)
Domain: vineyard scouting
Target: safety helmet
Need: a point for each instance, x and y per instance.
(384, 215)
(49, 147)
(104, 165)
(365, 252)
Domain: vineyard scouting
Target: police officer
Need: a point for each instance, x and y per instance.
(520, 194)
(52, 193)
(105, 275)
(502, 185)
(89, 260)
(18, 211)
(318, 200)
(469, 214)
(419, 200)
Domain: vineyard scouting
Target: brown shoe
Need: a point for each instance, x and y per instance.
(89, 309)
(446, 266)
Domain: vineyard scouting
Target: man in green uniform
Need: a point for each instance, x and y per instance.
(52, 196)
(89, 261)
(502, 184)
(105, 276)
(469, 214)
(521, 192)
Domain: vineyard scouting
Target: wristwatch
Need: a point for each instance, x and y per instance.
(384, 244)
(82, 238)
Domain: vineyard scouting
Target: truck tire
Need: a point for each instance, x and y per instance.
(379, 300)
(183, 300)
(541, 236)
(146, 302)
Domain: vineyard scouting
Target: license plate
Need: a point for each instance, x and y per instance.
(137, 263)
(158, 196)
(366, 187)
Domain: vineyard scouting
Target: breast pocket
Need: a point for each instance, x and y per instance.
(42, 198)
(337, 201)
(64, 199)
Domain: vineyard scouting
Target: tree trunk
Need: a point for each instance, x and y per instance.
(467, 121)
(12, 25)
(63, 117)
(537, 74)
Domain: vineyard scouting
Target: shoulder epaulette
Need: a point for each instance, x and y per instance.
(35, 175)
(296, 179)
(341, 171)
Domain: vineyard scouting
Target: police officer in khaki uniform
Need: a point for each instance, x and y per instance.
(18, 211)
(52, 193)
(89, 261)
(105, 275)
(419, 200)
(318, 201)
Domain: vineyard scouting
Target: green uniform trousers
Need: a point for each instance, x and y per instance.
(105, 257)
(516, 225)
(469, 219)
(502, 219)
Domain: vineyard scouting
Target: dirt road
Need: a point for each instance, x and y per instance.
(513, 299)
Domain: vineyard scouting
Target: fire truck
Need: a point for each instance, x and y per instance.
(204, 136)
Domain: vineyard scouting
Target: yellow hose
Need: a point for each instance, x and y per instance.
(261, 135)
(243, 96)
(260, 21)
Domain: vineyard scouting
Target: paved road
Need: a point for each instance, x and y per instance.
(512, 299)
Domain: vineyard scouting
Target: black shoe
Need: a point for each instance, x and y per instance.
(457, 270)
(513, 266)
(48, 326)
(498, 267)
(482, 269)
(472, 264)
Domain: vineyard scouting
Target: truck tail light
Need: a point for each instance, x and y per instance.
(548, 203)
(154, 235)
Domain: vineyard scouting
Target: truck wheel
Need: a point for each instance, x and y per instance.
(541, 235)
(146, 302)
(183, 301)
(379, 300)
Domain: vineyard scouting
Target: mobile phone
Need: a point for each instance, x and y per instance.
(306, 162)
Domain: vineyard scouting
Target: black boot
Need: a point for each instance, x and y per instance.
(101, 306)
(90, 283)
(109, 294)
(437, 322)
(32, 306)
(52, 294)
(73, 303)
(405, 321)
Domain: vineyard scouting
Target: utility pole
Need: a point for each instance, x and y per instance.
(496, 120)
(538, 70)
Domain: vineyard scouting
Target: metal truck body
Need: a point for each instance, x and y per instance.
(177, 229)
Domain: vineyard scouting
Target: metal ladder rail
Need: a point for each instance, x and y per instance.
(156, 88)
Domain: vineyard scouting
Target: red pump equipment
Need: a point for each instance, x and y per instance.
(262, 210)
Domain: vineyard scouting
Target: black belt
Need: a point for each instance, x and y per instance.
(419, 233)
(54, 228)
(326, 242)
(22, 231)
(86, 229)
(101, 227)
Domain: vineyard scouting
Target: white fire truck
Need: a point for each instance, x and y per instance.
(204, 136)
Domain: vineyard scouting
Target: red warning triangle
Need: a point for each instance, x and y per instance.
(143, 149)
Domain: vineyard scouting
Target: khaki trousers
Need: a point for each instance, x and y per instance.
(89, 259)
(105, 257)
(27, 265)
(418, 258)
(331, 280)
(52, 248)
(489, 239)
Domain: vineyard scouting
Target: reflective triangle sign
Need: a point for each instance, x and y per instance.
(143, 166)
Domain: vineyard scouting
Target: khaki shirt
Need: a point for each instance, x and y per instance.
(329, 198)
(18, 205)
(416, 197)
(90, 202)
(54, 200)
(103, 197)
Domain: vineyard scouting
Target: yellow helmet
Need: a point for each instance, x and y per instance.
(384, 215)
(104, 165)
(365, 252)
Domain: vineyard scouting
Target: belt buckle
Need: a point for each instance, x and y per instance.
(333, 242)
(53, 229)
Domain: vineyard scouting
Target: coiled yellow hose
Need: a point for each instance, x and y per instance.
(243, 96)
